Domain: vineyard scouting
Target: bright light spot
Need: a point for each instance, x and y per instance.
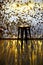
(31, 5)
(20, 43)
(40, 43)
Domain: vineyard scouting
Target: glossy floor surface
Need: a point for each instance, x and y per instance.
(11, 52)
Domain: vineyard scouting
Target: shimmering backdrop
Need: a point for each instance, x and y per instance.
(12, 54)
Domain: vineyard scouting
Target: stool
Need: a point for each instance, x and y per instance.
(23, 34)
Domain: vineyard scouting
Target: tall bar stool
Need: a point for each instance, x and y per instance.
(23, 34)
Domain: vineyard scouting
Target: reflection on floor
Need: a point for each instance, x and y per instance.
(12, 54)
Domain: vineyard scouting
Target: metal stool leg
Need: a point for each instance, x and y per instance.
(29, 33)
(26, 35)
(21, 38)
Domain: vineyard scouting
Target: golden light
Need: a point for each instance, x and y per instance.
(21, 8)
(31, 5)
(19, 43)
(13, 6)
(40, 43)
(41, 6)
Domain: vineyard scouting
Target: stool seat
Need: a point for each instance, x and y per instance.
(24, 26)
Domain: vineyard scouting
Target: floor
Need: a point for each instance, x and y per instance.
(11, 52)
